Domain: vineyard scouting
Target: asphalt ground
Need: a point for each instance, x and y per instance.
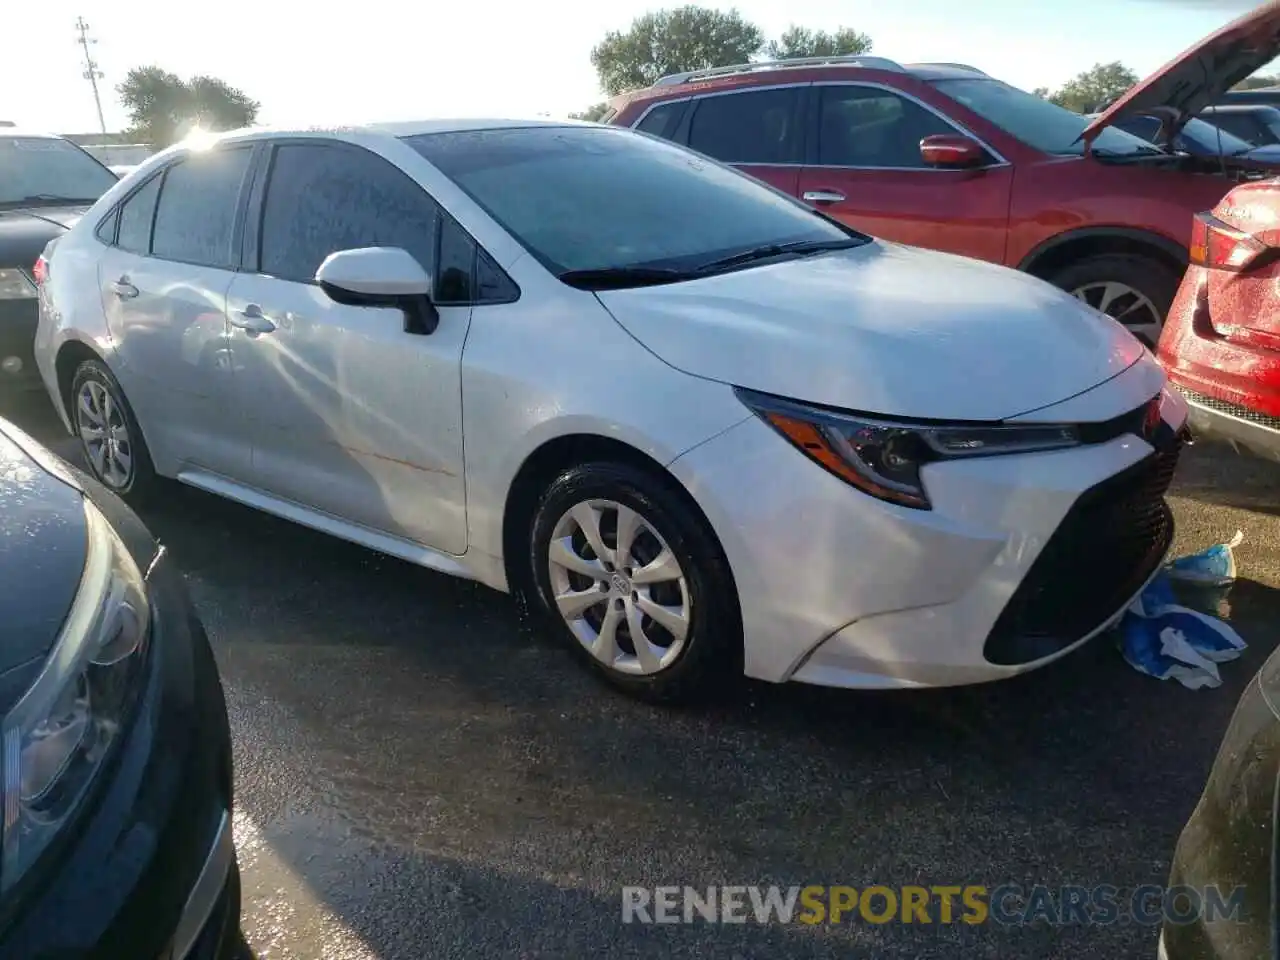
(419, 776)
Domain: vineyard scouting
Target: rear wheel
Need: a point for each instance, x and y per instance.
(114, 450)
(1130, 288)
(630, 575)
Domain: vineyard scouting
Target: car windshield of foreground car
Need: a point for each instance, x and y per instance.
(1039, 123)
(37, 171)
(603, 207)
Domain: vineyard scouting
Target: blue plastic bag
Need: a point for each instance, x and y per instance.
(1164, 639)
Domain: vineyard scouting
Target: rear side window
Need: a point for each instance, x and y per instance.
(322, 198)
(661, 120)
(755, 126)
(136, 215)
(1242, 125)
(196, 214)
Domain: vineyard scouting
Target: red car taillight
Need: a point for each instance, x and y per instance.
(40, 271)
(1220, 246)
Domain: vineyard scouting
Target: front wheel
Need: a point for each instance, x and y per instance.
(631, 576)
(1135, 290)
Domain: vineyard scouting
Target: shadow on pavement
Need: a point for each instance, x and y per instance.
(445, 784)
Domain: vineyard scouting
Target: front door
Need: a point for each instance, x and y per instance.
(351, 415)
(865, 169)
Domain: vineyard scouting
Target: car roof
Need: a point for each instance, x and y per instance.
(406, 128)
(28, 134)
(1238, 107)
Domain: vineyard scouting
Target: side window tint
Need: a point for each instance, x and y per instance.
(1148, 128)
(492, 283)
(322, 198)
(456, 264)
(870, 127)
(135, 218)
(661, 120)
(106, 231)
(754, 127)
(197, 208)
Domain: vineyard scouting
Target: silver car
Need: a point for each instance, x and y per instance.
(702, 428)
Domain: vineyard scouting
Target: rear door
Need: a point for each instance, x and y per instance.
(164, 286)
(864, 168)
(759, 131)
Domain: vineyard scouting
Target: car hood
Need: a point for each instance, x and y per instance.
(42, 553)
(884, 329)
(1200, 75)
(24, 232)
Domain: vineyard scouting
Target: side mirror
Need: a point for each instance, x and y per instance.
(381, 277)
(952, 150)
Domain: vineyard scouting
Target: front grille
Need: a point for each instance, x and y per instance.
(1111, 540)
(1231, 409)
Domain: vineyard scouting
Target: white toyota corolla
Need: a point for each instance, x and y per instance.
(702, 428)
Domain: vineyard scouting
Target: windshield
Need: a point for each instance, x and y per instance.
(1201, 137)
(1038, 123)
(600, 198)
(36, 170)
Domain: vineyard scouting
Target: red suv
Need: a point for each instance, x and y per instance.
(941, 155)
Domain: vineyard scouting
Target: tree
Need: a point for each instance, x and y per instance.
(803, 42)
(672, 41)
(1099, 84)
(1041, 92)
(592, 113)
(162, 106)
(1256, 81)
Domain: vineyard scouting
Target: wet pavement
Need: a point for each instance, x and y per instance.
(419, 777)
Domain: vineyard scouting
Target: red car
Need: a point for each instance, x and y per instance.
(1221, 344)
(943, 156)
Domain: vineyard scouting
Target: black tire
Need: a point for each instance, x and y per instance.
(712, 654)
(1150, 277)
(142, 480)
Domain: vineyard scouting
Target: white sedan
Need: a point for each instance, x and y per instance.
(699, 427)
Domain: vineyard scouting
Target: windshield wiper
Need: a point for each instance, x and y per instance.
(768, 250)
(619, 278)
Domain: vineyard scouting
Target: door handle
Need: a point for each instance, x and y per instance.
(251, 319)
(124, 289)
(823, 196)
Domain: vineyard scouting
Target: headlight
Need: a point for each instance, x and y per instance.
(16, 285)
(57, 735)
(883, 457)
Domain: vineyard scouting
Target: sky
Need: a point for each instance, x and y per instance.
(323, 63)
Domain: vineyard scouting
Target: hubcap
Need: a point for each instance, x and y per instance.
(1123, 303)
(104, 435)
(619, 587)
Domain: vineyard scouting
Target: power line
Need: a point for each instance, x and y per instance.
(92, 73)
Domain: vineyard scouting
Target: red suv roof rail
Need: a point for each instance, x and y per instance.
(847, 60)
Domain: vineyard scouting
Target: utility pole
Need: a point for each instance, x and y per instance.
(93, 75)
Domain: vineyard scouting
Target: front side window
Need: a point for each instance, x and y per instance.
(594, 198)
(136, 214)
(1038, 123)
(871, 127)
(755, 126)
(322, 198)
(196, 214)
(43, 171)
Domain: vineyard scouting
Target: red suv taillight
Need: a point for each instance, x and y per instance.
(1220, 246)
(41, 270)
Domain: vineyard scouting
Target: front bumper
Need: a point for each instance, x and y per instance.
(18, 321)
(840, 589)
(148, 870)
(1242, 428)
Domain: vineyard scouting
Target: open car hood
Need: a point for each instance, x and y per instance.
(1197, 77)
